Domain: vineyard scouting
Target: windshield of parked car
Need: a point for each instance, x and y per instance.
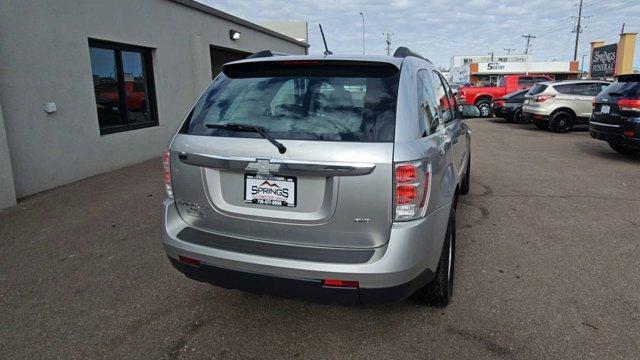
(302, 100)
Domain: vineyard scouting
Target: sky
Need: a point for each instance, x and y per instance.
(439, 29)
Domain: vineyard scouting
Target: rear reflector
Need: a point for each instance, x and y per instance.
(538, 117)
(340, 283)
(189, 261)
(166, 173)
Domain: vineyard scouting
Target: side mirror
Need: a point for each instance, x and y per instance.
(469, 111)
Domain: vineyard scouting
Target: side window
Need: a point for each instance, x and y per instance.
(525, 81)
(564, 89)
(452, 99)
(586, 89)
(442, 96)
(429, 120)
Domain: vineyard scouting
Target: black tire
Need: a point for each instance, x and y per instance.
(438, 292)
(561, 122)
(541, 125)
(623, 149)
(484, 105)
(518, 117)
(465, 184)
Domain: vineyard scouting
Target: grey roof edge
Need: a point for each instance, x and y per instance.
(221, 14)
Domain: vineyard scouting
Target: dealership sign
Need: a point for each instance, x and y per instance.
(603, 61)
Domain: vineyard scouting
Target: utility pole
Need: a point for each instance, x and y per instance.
(491, 53)
(509, 50)
(362, 14)
(528, 37)
(578, 30)
(388, 42)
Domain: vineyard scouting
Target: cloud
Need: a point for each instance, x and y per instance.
(441, 28)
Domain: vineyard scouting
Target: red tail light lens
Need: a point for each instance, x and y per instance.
(340, 283)
(411, 189)
(542, 98)
(406, 173)
(406, 194)
(166, 172)
(500, 103)
(629, 104)
(628, 133)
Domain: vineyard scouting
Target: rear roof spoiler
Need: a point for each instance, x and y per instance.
(265, 53)
(403, 52)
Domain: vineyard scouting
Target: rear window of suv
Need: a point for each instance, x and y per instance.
(537, 89)
(625, 86)
(302, 100)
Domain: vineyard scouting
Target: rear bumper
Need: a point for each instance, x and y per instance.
(406, 263)
(612, 133)
(534, 117)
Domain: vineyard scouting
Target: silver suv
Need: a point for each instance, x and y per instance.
(329, 178)
(560, 105)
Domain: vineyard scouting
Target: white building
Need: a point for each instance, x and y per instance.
(91, 86)
(459, 60)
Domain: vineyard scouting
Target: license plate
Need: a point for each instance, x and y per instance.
(605, 109)
(277, 191)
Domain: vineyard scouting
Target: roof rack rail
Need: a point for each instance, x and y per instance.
(265, 53)
(403, 52)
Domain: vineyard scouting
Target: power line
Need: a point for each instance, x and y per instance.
(509, 50)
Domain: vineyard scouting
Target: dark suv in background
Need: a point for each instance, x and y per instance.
(616, 115)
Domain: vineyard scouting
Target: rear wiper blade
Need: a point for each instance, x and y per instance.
(250, 128)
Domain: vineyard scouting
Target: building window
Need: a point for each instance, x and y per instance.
(502, 59)
(466, 61)
(123, 86)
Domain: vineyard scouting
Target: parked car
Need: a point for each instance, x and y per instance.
(509, 107)
(276, 187)
(616, 115)
(559, 106)
(481, 96)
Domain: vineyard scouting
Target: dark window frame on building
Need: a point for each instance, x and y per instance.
(150, 94)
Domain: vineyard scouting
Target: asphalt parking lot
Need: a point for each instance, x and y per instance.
(548, 267)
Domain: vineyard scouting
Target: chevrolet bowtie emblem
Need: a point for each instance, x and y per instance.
(263, 167)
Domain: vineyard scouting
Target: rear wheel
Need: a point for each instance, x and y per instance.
(484, 105)
(624, 149)
(438, 292)
(518, 118)
(561, 122)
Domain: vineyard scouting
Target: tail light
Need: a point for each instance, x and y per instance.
(628, 133)
(340, 283)
(412, 183)
(542, 98)
(593, 103)
(499, 103)
(629, 104)
(166, 173)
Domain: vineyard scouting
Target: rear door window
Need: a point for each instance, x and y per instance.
(442, 96)
(525, 81)
(564, 89)
(585, 89)
(302, 100)
(428, 105)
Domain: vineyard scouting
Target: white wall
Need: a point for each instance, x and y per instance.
(45, 57)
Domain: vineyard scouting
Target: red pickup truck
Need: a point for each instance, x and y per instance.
(482, 96)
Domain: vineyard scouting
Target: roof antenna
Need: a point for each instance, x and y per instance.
(326, 49)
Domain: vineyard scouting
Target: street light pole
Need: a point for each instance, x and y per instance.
(362, 14)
